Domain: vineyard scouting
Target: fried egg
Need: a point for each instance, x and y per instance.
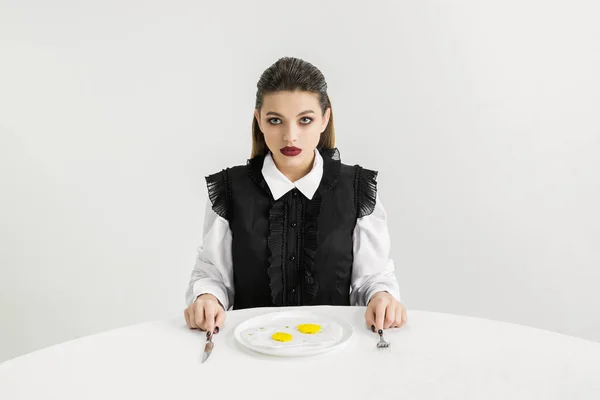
(309, 328)
(281, 337)
(281, 334)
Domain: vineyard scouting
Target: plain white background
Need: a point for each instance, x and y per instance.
(481, 116)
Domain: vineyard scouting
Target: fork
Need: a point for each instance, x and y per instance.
(382, 344)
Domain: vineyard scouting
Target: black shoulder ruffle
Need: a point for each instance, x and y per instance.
(219, 192)
(365, 190)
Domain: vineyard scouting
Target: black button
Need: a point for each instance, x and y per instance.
(294, 193)
(293, 291)
(293, 224)
(292, 257)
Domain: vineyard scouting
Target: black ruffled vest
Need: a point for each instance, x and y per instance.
(292, 251)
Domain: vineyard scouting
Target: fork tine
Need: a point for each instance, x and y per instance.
(382, 344)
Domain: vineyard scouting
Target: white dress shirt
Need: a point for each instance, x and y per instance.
(372, 269)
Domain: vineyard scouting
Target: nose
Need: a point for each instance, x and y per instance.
(290, 134)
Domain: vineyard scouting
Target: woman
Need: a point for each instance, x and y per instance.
(294, 226)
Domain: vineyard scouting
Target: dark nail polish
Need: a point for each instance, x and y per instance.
(380, 331)
(373, 328)
(217, 329)
(208, 334)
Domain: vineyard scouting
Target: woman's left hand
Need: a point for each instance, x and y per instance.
(384, 311)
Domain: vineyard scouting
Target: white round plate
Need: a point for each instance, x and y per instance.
(334, 333)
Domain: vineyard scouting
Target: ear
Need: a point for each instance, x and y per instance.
(257, 116)
(326, 119)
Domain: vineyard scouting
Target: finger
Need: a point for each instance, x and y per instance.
(398, 317)
(401, 318)
(187, 318)
(390, 315)
(192, 317)
(404, 317)
(198, 316)
(370, 317)
(220, 320)
(209, 318)
(379, 315)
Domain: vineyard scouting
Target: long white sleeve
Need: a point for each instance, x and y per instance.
(213, 271)
(373, 270)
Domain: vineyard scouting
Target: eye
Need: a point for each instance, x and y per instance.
(274, 119)
(306, 118)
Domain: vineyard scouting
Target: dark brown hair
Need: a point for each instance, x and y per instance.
(290, 73)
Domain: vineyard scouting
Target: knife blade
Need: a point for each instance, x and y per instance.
(208, 347)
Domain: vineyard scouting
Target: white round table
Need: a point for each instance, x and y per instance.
(436, 356)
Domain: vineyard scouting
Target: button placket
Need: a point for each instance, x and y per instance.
(292, 269)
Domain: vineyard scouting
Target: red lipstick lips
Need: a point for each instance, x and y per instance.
(290, 151)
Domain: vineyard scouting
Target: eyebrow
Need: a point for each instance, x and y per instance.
(281, 116)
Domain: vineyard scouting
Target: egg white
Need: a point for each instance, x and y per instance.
(263, 337)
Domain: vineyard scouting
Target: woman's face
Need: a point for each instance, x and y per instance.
(292, 124)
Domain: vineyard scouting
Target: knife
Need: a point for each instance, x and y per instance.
(208, 347)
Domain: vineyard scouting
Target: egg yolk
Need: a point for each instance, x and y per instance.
(281, 337)
(309, 328)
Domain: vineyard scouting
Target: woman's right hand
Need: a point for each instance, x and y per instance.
(206, 313)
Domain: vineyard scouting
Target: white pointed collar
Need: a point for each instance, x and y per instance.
(280, 184)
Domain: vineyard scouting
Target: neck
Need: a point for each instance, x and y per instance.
(296, 172)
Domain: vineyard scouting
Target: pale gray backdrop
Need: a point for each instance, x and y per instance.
(481, 116)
